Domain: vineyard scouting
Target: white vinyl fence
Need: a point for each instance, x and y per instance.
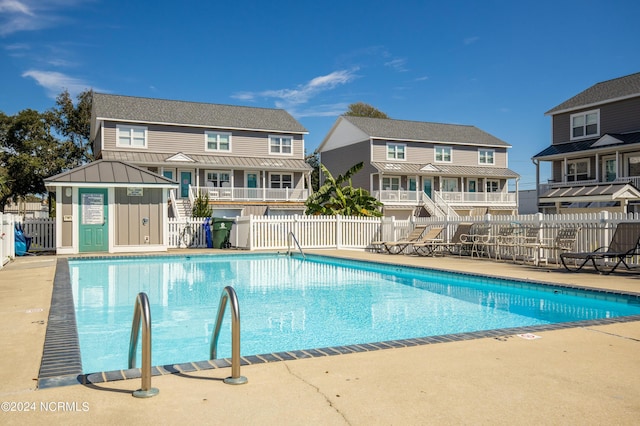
(333, 232)
(7, 241)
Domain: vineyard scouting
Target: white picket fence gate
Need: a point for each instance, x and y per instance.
(331, 232)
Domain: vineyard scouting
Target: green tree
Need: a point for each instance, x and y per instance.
(337, 196)
(201, 206)
(73, 121)
(314, 161)
(360, 109)
(30, 152)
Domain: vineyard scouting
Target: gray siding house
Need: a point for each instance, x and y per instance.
(246, 160)
(423, 169)
(595, 151)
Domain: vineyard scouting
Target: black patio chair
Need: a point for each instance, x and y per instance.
(624, 244)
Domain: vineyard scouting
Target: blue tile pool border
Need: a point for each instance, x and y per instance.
(61, 360)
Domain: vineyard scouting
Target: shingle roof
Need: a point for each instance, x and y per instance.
(147, 110)
(110, 172)
(385, 128)
(585, 145)
(622, 87)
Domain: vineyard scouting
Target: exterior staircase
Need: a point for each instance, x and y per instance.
(182, 208)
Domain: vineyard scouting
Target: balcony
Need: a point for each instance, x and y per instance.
(506, 199)
(544, 187)
(250, 194)
(398, 197)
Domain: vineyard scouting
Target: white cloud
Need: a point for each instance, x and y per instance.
(55, 82)
(290, 98)
(423, 78)
(31, 15)
(398, 64)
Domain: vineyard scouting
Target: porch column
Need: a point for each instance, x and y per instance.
(564, 170)
(598, 167)
(618, 166)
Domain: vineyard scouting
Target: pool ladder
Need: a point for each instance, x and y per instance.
(295, 240)
(142, 316)
(228, 293)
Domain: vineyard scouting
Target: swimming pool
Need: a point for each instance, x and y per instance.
(291, 304)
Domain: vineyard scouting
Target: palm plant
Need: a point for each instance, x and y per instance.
(337, 196)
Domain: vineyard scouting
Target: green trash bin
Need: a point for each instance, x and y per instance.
(220, 231)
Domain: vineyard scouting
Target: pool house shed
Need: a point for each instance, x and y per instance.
(110, 206)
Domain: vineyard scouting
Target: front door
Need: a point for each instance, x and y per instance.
(94, 219)
(252, 184)
(185, 182)
(426, 186)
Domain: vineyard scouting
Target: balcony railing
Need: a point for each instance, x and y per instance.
(634, 180)
(452, 198)
(251, 194)
(478, 198)
(388, 196)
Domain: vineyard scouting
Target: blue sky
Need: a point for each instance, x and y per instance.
(498, 65)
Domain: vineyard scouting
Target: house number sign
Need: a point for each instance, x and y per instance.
(92, 209)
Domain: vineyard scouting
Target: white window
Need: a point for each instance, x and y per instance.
(486, 156)
(443, 154)
(280, 180)
(492, 185)
(585, 124)
(396, 151)
(280, 145)
(131, 136)
(218, 179)
(217, 141)
(390, 183)
(577, 170)
(449, 185)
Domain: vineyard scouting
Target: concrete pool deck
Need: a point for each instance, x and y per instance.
(585, 375)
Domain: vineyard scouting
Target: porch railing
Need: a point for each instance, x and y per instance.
(479, 198)
(251, 194)
(634, 180)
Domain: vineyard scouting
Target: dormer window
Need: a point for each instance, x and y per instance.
(585, 124)
(396, 151)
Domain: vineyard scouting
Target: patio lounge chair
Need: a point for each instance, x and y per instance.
(427, 244)
(397, 247)
(457, 242)
(624, 243)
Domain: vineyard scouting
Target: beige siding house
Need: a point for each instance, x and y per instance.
(246, 160)
(423, 169)
(595, 151)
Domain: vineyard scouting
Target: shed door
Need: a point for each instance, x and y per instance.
(93, 228)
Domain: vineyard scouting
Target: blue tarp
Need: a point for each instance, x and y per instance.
(207, 233)
(22, 241)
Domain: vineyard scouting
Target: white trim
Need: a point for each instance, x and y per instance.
(202, 126)
(493, 156)
(110, 185)
(281, 137)
(585, 136)
(576, 161)
(130, 127)
(395, 151)
(435, 154)
(217, 133)
(280, 174)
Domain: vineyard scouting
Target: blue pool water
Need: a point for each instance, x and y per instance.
(291, 304)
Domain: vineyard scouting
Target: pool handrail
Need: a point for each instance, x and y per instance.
(293, 236)
(142, 313)
(228, 293)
